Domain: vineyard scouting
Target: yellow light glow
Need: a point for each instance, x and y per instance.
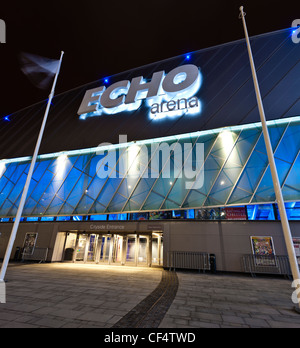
(227, 140)
(61, 165)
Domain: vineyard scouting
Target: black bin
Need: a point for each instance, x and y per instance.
(213, 263)
(69, 252)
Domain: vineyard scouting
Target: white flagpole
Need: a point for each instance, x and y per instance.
(276, 182)
(26, 187)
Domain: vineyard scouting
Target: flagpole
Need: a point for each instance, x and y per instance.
(26, 187)
(275, 178)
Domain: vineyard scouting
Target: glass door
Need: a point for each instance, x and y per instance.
(92, 248)
(81, 247)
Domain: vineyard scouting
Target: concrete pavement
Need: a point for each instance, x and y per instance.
(65, 295)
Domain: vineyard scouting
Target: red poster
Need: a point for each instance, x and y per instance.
(235, 213)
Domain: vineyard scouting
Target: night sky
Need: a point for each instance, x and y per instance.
(103, 38)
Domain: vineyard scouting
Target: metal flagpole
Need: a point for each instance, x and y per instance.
(276, 183)
(26, 187)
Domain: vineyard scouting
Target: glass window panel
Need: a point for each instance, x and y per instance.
(64, 208)
(17, 173)
(289, 145)
(18, 188)
(29, 206)
(63, 218)
(79, 189)
(35, 218)
(3, 182)
(244, 145)
(39, 169)
(211, 202)
(253, 171)
(85, 205)
(224, 144)
(108, 191)
(117, 203)
(54, 207)
(68, 184)
(293, 181)
(98, 217)
(176, 195)
(289, 193)
(82, 161)
(10, 170)
(47, 218)
(6, 191)
(195, 199)
(41, 187)
(265, 191)
(240, 195)
(97, 208)
(212, 168)
(6, 207)
(275, 132)
(153, 201)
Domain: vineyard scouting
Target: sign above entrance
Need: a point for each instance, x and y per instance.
(171, 94)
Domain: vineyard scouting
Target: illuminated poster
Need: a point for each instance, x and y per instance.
(235, 213)
(263, 251)
(262, 246)
(29, 243)
(296, 242)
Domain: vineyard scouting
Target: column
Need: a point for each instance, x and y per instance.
(86, 249)
(137, 247)
(104, 249)
(159, 249)
(149, 251)
(98, 250)
(111, 249)
(76, 248)
(124, 250)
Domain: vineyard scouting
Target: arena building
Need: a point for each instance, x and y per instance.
(164, 158)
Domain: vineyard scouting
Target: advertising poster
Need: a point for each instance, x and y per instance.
(263, 250)
(29, 243)
(296, 242)
(236, 213)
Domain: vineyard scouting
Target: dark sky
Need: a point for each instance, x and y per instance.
(102, 38)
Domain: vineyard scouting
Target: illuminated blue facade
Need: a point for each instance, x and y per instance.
(235, 172)
(74, 178)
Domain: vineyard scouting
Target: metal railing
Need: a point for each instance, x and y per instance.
(38, 254)
(266, 264)
(188, 260)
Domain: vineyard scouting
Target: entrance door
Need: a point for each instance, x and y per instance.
(92, 248)
(86, 247)
(82, 243)
(124, 249)
(157, 248)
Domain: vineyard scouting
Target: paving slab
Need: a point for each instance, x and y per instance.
(66, 295)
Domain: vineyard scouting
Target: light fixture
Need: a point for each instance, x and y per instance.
(61, 165)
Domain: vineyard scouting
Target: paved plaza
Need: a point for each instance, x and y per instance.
(66, 295)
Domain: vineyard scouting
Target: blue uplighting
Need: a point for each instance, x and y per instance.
(6, 118)
(106, 80)
(187, 56)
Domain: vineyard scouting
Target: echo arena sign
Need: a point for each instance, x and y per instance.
(171, 94)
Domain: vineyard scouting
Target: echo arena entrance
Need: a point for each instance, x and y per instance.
(114, 248)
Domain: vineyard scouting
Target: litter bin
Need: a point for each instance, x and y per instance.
(213, 264)
(18, 254)
(69, 254)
